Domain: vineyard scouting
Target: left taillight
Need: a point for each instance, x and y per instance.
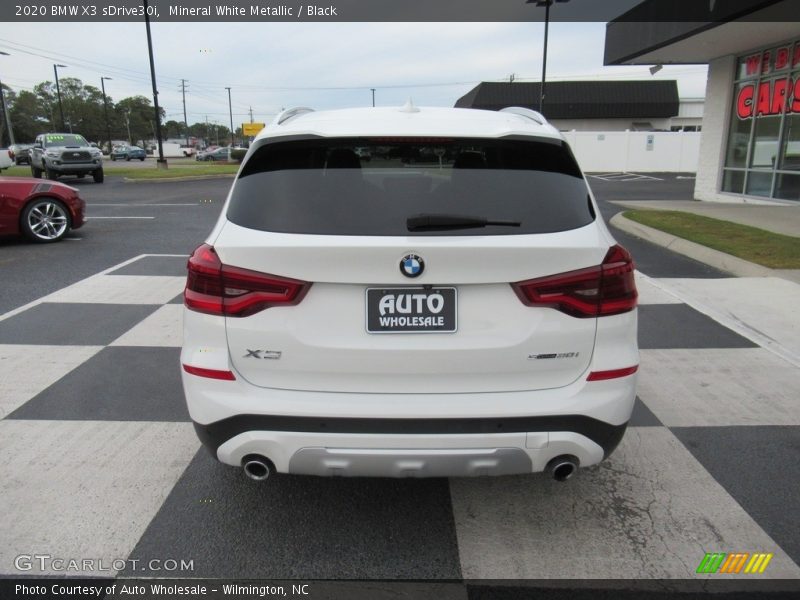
(607, 289)
(218, 289)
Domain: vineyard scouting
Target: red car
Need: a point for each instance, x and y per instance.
(42, 211)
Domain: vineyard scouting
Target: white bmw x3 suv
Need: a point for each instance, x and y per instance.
(410, 292)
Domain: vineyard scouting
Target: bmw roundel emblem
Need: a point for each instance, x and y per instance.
(412, 265)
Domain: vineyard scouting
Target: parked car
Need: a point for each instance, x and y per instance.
(215, 155)
(128, 153)
(469, 317)
(43, 212)
(56, 154)
(20, 153)
(5, 159)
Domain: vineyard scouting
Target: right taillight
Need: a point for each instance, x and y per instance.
(607, 289)
(218, 289)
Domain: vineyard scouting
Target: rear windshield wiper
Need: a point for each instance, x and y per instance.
(426, 222)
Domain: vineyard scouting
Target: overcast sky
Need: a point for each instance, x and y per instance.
(275, 65)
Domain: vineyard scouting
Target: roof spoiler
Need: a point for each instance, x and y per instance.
(527, 113)
(291, 113)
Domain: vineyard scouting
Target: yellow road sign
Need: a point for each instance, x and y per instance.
(251, 128)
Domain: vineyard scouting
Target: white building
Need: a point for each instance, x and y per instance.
(750, 147)
(597, 105)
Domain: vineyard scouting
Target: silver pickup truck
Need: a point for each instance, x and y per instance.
(56, 154)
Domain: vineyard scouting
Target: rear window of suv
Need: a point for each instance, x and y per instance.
(373, 186)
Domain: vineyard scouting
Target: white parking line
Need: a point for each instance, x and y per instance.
(143, 204)
(120, 217)
(622, 176)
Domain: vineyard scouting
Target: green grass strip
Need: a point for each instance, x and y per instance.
(766, 248)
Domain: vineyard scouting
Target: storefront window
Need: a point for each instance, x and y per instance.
(759, 183)
(763, 150)
(765, 142)
(787, 187)
(738, 136)
(790, 157)
(733, 181)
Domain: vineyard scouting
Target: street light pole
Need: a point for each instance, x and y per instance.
(230, 111)
(544, 57)
(58, 92)
(5, 110)
(105, 111)
(547, 4)
(161, 163)
(373, 97)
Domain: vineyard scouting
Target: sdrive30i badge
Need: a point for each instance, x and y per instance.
(412, 265)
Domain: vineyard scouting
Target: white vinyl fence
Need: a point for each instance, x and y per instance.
(636, 151)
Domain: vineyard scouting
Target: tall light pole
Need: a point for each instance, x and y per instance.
(230, 111)
(58, 92)
(160, 162)
(105, 110)
(373, 97)
(547, 4)
(5, 110)
(185, 120)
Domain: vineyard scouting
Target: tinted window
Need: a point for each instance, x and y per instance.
(372, 186)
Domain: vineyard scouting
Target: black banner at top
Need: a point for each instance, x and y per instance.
(398, 10)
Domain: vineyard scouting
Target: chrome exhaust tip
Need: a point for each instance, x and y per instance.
(256, 467)
(563, 467)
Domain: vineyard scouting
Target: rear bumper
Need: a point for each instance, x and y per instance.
(317, 447)
(418, 435)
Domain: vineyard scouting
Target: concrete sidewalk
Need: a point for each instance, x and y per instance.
(778, 219)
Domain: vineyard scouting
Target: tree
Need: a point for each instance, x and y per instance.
(136, 116)
(27, 116)
(9, 95)
(172, 129)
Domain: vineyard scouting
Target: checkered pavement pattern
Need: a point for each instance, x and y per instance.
(98, 458)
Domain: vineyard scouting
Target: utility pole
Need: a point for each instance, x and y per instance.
(105, 111)
(251, 114)
(373, 97)
(185, 120)
(162, 164)
(128, 125)
(58, 92)
(208, 133)
(230, 111)
(5, 110)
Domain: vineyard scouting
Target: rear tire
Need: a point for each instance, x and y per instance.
(50, 174)
(98, 176)
(142, 159)
(36, 173)
(127, 158)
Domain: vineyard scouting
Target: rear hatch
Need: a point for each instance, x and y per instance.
(396, 259)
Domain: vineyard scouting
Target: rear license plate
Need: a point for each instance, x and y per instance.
(412, 310)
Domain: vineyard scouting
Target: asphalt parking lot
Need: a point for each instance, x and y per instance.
(99, 457)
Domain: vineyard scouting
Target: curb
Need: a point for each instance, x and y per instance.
(713, 258)
(183, 178)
